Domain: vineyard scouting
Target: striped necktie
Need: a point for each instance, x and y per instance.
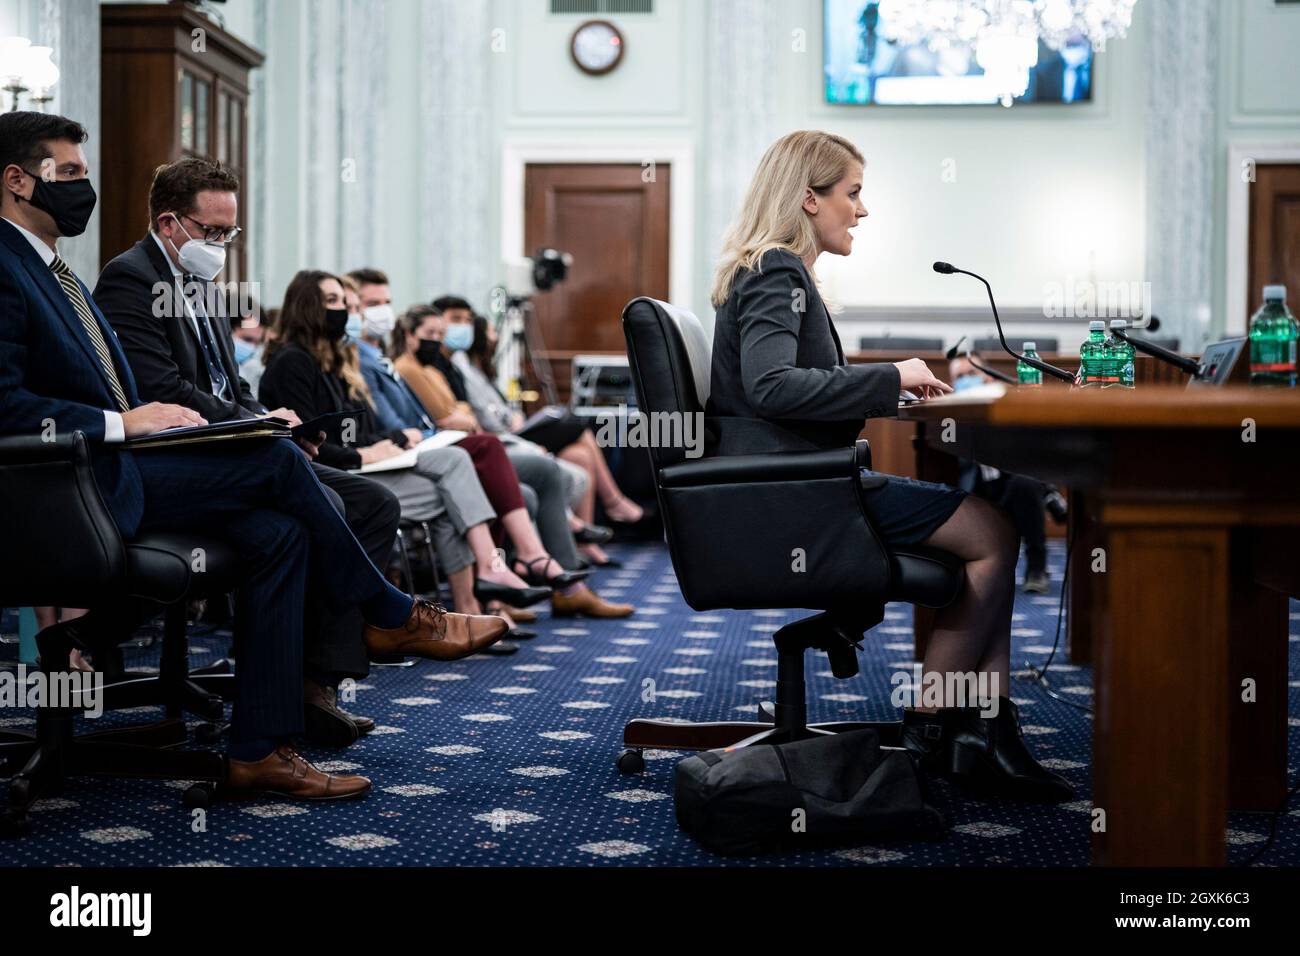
(72, 289)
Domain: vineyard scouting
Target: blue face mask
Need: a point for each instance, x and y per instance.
(967, 381)
(244, 351)
(459, 337)
(354, 325)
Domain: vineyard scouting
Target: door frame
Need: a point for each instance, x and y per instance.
(1238, 247)
(516, 155)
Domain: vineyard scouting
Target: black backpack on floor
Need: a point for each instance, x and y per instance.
(839, 788)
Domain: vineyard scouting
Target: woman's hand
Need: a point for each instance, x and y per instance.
(378, 452)
(413, 435)
(915, 376)
(458, 421)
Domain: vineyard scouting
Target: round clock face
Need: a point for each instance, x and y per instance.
(597, 47)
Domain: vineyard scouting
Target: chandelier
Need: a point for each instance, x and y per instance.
(1004, 34)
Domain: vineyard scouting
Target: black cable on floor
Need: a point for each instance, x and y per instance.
(1040, 676)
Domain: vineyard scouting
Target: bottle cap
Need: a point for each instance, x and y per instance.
(1029, 347)
(1118, 324)
(1097, 326)
(1274, 293)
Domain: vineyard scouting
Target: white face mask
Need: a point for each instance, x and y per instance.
(378, 321)
(200, 259)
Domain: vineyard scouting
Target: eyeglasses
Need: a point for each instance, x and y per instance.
(216, 235)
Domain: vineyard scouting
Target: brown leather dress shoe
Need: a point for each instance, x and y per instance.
(588, 602)
(520, 615)
(434, 632)
(287, 773)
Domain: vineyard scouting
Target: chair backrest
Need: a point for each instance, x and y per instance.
(60, 545)
(993, 345)
(900, 343)
(671, 361)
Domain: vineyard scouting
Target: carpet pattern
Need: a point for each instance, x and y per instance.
(510, 761)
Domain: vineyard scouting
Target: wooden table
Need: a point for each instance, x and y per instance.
(1196, 497)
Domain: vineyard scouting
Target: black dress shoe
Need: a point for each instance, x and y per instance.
(534, 572)
(988, 756)
(519, 634)
(363, 724)
(490, 591)
(593, 534)
(323, 723)
(500, 649)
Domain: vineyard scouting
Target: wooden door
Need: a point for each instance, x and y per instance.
(613, 220)
(1274, 233)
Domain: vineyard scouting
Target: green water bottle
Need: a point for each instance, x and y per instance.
(1273, 334)
(1123, 355)
(1092, 357)
(1027, 374)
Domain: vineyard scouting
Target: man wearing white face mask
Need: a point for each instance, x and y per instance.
(172, 321)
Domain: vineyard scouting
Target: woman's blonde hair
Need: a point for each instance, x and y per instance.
(772, 215)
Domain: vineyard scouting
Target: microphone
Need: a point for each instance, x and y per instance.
(970, 357)
(947, 269)
(1185, 365)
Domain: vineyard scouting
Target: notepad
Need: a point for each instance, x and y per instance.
(243, 429)
(408, 458)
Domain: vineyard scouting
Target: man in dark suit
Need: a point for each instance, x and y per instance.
(171, 318)
(61, 367)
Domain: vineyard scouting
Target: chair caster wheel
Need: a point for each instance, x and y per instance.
(207, 733)
(14, 825)
(198, 797)
(631, 761)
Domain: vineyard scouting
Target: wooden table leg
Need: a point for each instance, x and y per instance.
(1257, 652)
(1160, 730)
(1087, 597)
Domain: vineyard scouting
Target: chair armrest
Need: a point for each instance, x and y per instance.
(61, 545)
(35, 450)
(749, 469)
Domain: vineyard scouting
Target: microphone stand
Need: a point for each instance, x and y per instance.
(944, 268)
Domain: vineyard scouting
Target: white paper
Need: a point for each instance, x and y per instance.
(407, 458)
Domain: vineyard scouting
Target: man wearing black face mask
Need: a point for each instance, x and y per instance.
(170, 315)
(61, 366)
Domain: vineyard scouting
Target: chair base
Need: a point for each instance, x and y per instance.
(50, 757)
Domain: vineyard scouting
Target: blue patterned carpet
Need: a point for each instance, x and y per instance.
(510, 761)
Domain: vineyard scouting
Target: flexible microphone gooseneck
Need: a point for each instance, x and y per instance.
(947, 269)
(1182, 363)
(987, 370)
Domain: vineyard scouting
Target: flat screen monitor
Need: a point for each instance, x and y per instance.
(863, 68)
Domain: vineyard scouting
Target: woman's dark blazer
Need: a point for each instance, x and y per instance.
(779, 381)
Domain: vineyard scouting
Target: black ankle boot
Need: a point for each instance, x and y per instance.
(926, 736)
(987, 755)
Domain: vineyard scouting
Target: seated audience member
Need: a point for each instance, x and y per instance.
(61, 362)
(248, 329)
(183, 353)
(780, 384)
(312, 365)
(419, 333)
(1022, 498)
(470, 341)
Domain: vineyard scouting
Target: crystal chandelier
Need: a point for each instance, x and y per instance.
(1004, 34)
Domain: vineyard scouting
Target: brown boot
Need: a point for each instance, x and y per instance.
(588, 602)
(434, 632)
(285, 772)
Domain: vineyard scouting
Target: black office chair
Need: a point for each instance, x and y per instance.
(62, 548)
(901, 343)
(991, 346)
(735, 525)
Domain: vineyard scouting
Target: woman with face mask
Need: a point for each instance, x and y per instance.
(460, 489)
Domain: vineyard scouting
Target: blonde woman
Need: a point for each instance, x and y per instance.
(780, 384)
